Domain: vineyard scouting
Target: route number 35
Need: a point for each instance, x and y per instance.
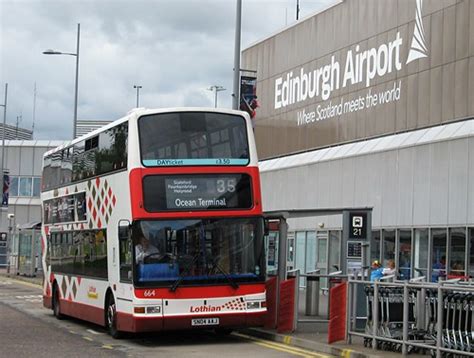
(226, 185)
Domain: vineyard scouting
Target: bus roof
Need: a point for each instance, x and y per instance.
(137, 112)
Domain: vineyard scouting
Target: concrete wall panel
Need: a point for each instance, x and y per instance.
(462, 23)
(448, 90)
(470, 99)
(458, 181)
(405, 186)
(348, 182)
(471, 28)
(449, 34)
(436, 44)
(433, 82)
(389, 174)
(439, 183)
(461, 88)
(424, 92)
(421, 187)
(470, 183)
(436, 95)
(26, 161)
(13, 160)
(374, 187)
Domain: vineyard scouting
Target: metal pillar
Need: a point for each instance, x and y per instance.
(282, 249)
(238, 25)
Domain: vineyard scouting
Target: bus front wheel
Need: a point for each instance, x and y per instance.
(57, 303)
(111, 318)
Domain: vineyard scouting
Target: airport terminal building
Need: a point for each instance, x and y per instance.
(371, 104)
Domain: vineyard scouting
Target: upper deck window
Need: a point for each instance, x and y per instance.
(102, 154)
(193, 138)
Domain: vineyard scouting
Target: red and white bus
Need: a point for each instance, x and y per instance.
(154, 222)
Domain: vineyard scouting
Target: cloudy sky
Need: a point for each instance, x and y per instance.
(175, 49)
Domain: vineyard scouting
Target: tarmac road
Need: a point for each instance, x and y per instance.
(28, 329)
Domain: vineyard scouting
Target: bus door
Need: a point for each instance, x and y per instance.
(125, 251)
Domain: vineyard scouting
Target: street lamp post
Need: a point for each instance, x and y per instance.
(216, 89)
(3, 208)
(138, 94)
(53, 52)
(236, 84)
(4, 105)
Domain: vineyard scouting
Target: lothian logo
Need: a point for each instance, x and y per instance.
(418, 48)
(205, 309)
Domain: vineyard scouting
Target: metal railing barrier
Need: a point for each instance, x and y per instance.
(313, 290)
(312, 293)
(415, 316)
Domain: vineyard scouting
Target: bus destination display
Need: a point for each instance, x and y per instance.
(197, 192)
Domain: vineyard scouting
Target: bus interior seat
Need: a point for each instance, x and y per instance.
(158, 272)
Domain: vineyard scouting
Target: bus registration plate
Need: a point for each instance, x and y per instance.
(204, 321)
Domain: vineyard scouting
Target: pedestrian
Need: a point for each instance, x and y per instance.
(390, 269)
(376, 271)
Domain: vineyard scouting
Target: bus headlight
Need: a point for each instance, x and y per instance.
(153, 309)
(253, 305)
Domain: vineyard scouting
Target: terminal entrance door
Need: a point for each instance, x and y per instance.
(322, 255)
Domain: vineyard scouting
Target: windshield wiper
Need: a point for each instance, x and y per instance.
(234, 284)
(176, 283)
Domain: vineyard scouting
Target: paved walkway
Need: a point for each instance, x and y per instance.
(311, 338)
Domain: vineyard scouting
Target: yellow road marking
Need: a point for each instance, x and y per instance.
(29, 284)
(107, 346)
(286, 350)
(346, 353)
(87, 338)
(283, 347)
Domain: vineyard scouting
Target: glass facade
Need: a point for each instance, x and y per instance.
(420, 253)
(471, 251)
(438, 237)
(375, 246)
(388, 245)
(404, 253)
(23, 186)
(310, 251)
(457, 257)
(300, 259)
(334, 250)
(433, 253)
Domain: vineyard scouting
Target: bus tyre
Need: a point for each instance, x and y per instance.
(111, 318)
(57, 303)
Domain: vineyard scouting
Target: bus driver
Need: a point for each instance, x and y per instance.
(143, 249)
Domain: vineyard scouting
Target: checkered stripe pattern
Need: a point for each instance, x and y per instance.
(100, 203)
(237, 304)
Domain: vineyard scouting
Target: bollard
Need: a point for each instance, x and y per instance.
(312, 295)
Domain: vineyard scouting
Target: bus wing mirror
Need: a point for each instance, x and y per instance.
(124, 230)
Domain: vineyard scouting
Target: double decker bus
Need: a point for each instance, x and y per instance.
(154, 222)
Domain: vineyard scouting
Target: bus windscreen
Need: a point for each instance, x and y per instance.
(193, 138)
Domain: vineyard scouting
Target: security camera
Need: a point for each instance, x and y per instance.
(10, 216)
(321, 225)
